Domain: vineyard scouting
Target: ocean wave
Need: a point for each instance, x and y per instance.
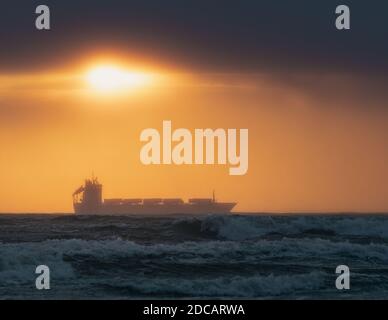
(236, 227)
(212, 227)
(18, 261)
(216, 268)
(208, 256)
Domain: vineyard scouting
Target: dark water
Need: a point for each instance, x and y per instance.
(238, 256)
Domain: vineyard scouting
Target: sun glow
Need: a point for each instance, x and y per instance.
(112, 78)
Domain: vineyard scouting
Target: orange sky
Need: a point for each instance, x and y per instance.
(313, 144)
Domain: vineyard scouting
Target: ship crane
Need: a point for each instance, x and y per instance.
(80, 190)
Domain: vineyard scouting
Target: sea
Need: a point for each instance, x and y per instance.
(239, 256)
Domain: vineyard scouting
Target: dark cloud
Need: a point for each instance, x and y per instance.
(212, 35)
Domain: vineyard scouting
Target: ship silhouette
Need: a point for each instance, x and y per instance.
(87, 200)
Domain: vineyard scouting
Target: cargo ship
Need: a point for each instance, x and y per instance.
(87, 200)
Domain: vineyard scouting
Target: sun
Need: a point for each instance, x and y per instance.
(107, 78)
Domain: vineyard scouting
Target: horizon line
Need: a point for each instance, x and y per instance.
(230, 214)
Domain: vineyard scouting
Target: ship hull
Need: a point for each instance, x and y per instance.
(156, 209)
